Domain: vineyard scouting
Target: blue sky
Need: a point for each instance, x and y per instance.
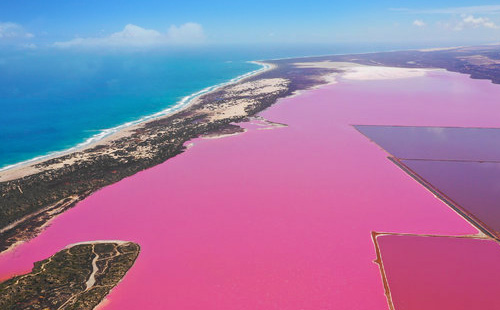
(91, 23)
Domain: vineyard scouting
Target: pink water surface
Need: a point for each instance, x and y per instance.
(442, 143)
(452, 161)
(472, 186)
(276, 219)
(436, 273)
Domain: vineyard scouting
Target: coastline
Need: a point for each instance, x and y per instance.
(110, 132)
(186, 101)
(42, 190)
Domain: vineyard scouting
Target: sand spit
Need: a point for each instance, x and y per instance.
(27, 190)
(33, 166)
(238, 99)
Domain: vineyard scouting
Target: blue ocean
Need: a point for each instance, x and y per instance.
(52, 100)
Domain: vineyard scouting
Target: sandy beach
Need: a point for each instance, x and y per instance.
(30, 167)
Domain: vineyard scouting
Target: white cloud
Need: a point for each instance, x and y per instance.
(12, 30)
(460, 17)
(135, 36)
(189, 32)
(479, 21)
(479, 9)
(469, 21)
(419, 23)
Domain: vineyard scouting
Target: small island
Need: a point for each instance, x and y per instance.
(78, 277)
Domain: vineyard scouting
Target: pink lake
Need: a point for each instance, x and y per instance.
(436, 273)
(437, 143)
(473, 187)
(461, 165)
(276, 219)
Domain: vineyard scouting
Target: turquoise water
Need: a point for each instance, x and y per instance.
(52, 100)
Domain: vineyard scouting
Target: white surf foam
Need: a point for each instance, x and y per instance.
(181, 104)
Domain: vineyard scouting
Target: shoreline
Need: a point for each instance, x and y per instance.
(186, 101)
(33, 194)
(104, 134)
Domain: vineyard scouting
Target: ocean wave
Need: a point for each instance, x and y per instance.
(184, 102)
